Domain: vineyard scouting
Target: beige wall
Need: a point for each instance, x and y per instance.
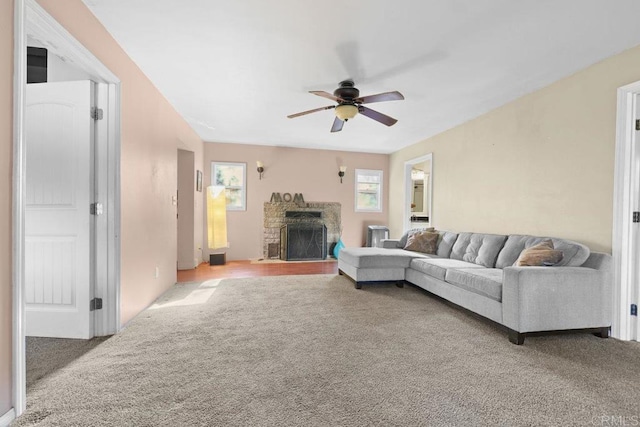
(540, 165)
(314, 173)
(6, 142)
(152, 132)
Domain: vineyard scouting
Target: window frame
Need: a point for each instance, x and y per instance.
(243, 187)
(369, 172)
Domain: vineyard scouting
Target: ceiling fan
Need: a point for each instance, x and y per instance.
(350, 103)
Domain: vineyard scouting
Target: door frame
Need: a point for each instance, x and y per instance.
(408, 165)
(623, 251)
(30, 16)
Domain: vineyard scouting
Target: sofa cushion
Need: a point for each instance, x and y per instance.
(377, 257)
(423, 241)
(574, 254)
(481, 249)
(445, 243)
(539, 255)
(390, 243)
(437, 267)
(481, 281)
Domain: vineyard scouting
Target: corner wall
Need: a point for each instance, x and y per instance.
(314, 173)
(6, 179)
(152, 131)
(540, 165)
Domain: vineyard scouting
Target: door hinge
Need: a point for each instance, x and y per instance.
(95, 304)
(636, 216)
(96, 209)
(97, 113)
(634, 309)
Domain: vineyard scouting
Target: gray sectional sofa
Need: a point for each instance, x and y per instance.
(476, 271)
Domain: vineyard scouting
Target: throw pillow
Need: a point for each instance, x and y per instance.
(403, 240)
(423, 241)
(541, 254)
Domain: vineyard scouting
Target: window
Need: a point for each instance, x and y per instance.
(368, 190)
(234, 177)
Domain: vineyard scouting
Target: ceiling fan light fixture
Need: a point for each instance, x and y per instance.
(346, 111)
(350, 103)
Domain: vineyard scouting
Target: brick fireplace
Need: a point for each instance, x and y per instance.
(302, 216)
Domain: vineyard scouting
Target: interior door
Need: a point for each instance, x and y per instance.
(58, 223)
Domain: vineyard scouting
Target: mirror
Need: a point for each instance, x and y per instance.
(418, 178)
(420, 192)
(419, 182)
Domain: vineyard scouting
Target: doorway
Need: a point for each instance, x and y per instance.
(187, 259)
(418, 184)
(31, 21)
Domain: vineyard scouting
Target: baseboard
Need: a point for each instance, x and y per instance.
(7, 418)
(186, 266)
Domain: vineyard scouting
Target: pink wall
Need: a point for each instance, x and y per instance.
(6, 143)
(152, 131)
(314, 173)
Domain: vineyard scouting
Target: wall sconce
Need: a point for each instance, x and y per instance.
(343, 169)
(260, 168)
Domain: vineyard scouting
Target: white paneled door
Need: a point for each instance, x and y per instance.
(58, 223)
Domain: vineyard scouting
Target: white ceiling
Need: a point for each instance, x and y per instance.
(236, 69)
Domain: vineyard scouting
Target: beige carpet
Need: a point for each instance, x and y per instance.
(314, 351)
(47, 355)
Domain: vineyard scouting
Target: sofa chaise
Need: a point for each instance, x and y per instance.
(476, 271)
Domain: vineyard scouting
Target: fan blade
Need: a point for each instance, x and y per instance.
(379, 117)
(386, 96)
(337, 125)
(423, 60)
(293, 116)
(349, 55)
(326, 95)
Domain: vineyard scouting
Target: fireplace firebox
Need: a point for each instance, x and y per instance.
(303, 241)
